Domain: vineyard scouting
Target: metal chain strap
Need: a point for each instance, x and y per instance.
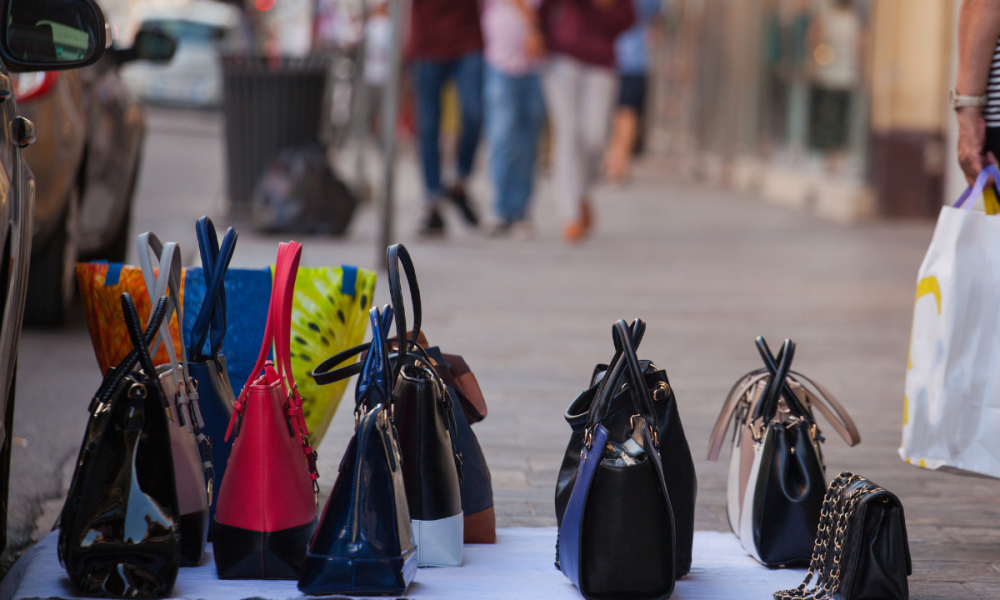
(834, 517)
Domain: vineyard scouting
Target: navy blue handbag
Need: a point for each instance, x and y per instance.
(208, 369)
(364, 544)
(617, 536)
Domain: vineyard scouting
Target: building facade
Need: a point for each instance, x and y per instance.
(835, 106)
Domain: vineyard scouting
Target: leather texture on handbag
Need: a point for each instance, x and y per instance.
(119, 535)
(266, 512)
(675, 454)
(776, 472)
(469, 406)
(425, 420)
(861, 550)
(192, 452)
(426, 423)
(208, 369)
(617, 537)
(364, 543)
(479, 521)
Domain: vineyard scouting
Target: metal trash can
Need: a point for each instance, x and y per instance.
(269, 104)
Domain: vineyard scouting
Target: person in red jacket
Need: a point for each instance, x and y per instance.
(580, 86)
(446, 43)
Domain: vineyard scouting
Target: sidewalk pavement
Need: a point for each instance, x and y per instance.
(708, 270)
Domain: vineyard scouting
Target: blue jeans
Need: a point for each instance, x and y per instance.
(430, 77)
(515, 112)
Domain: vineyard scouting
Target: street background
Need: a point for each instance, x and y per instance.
(708, 269)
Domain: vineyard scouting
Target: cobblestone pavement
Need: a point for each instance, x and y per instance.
(708, 270)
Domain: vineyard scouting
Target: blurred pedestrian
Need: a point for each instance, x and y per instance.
(976, 97)
(378, 47)
(580, 84)
(515, 107)
(446, 44)
(632, 55)
(836, 37)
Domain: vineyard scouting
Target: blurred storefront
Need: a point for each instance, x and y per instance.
(837, 106)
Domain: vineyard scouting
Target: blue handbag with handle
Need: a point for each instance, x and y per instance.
(364, 544)
(617, 537)
(208, 369)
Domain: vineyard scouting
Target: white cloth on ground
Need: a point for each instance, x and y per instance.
(518, 566)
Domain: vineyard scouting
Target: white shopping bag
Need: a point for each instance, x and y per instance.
(951, 409)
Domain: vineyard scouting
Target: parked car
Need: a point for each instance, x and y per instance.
(204, 31)
(86, 162)
(39, 35)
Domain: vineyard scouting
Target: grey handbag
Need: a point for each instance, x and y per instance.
(193, 469)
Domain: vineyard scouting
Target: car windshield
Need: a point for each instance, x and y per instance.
(186, 31)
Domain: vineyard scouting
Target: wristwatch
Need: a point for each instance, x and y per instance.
(958, 101)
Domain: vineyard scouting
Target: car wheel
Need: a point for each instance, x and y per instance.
(52, 275)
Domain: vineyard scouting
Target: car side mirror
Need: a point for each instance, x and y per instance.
(154, 46)
(49, 35)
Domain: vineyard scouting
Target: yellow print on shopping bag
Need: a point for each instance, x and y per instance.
(927, 285)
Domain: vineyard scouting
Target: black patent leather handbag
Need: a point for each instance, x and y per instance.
(861, 551)
(675, 454)
(617, 537)
(364, 544)
(119, 535)
(213, 390)
(426, 422)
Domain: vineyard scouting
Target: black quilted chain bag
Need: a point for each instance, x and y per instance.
(861, 549)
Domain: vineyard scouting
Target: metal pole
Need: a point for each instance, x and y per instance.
(361, 106)
(390, 113)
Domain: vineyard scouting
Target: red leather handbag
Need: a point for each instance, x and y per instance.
(266, 509)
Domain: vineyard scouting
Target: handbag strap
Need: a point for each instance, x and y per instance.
(641, 398)
(168, 282)
(116, 375)
(832, 410)
(396, 255)
(767, 408)
(277, 331)
(215, 263)
(730, 407)
(625, 364)
(376, 370)
(777, 384)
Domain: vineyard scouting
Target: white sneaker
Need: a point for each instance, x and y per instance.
(522, 230)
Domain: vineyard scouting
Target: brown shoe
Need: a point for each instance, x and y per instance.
(586, 216)
(575, 231)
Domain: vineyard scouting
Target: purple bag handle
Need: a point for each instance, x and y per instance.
(977, 188)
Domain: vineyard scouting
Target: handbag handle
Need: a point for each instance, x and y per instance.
(777, 383)
(625, 364)
(116, 375)
(398, 254)
(277, 331)
(729, 408)
(215, 263)
(609, 373)
(168, 282)
(134, 327)
(831, 409)
(640, 393)
(376, 368)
